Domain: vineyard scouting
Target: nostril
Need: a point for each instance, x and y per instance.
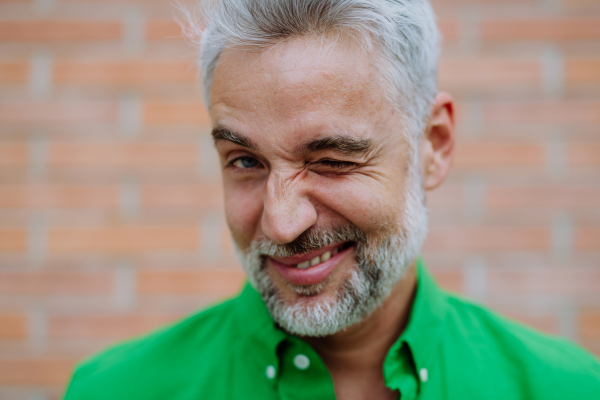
(283, 224)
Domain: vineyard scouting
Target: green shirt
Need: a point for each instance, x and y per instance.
(451, 349)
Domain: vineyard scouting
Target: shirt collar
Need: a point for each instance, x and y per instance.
(421, 337)
(418, 341)
(257, 327)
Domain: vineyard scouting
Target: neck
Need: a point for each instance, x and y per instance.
(360, 350)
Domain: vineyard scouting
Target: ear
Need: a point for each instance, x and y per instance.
(437, 144)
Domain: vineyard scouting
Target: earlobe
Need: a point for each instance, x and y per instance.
(438, 141)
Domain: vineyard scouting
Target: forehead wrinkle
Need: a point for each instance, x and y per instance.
(298, 101)
(288, 72)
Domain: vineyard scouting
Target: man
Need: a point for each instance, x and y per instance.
(329, 128)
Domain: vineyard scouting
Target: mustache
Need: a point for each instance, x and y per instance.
(311, 239)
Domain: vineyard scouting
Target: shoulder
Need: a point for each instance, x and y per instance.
(165, 356)
(546, 366)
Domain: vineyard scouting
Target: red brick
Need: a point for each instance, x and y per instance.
(535, 282)
(445, 196)
(449, 28)
(487, 238)
(226, 241)
(197, 196)
(104, 326)
(589, 324)
(166, 29)
(455, 3)
(35, 371)
(169, 29)
(592, 345)
(582, 70)
(506, 197)
(13, 326)
(200, 282)
(546, 112)
(584, 154)
(123, 72)
(543, 322)
(541, 29)
(141, 2)
(175, 112)
(13, 154)
(55, 283)
(58, 196)
(587, 239)
(482, 73)
(58, 112)
(14, 72)
(579, 2)
(503, 75)
(451, 280)
(123, 239)
(53, 31)
(122, 155)
(13, 240)
(499, 155)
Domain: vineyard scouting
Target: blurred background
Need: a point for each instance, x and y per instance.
(111, 220)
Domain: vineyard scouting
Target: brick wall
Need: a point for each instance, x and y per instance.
(110, 202)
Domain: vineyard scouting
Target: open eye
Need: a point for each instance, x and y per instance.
(245, 162)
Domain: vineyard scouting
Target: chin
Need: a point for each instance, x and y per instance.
(340, 300)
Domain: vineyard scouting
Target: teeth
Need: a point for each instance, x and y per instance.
(303, 265)
(324, 257)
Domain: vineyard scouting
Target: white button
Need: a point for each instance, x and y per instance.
(301, 362)
(270, 372)
(424, 374)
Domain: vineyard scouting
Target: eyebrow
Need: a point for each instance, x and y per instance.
(220, 133)
(347, 145)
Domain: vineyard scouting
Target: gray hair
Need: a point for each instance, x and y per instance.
(404, 32)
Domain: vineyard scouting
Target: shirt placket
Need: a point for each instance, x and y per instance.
(399, 372)
(303, 374)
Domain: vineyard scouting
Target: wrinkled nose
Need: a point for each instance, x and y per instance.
(287, 211)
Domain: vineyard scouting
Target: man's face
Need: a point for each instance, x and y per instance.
(321, 196)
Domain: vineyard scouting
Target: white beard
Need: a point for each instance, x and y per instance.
(380, 264)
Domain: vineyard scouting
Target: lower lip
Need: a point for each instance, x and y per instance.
(311, 275)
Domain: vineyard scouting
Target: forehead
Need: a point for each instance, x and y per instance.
(303, 82)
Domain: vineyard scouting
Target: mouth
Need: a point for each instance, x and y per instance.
(312, 267)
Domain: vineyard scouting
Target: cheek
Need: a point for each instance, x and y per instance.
(243, 210)
(372, 206)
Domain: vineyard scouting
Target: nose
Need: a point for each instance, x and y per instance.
(287, 210)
